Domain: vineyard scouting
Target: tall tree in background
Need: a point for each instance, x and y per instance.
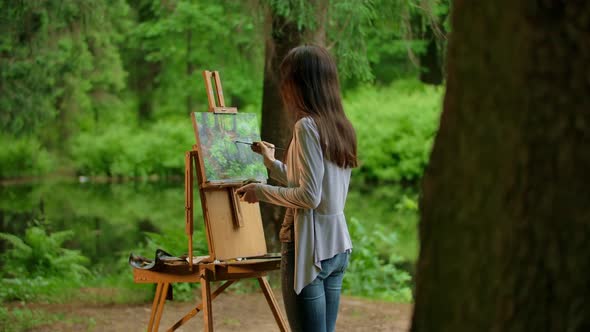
(143, 71)
(59, 60)
(276, 123)
(174, 40)
(504, 213)
(292, 23)
(432, 17)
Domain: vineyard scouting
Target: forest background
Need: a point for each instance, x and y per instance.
(94, 104)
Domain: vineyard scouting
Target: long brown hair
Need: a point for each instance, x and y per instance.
(310, 87)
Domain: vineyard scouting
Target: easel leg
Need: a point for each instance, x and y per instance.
(272, 303)
(199, 307)
(155, 306)
(160, 308)
(206, 303)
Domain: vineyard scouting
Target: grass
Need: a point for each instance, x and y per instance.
(23, 319)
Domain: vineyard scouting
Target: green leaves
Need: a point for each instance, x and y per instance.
(125, 151)
(181, 39)
(40, 254)
(369, 274)
(395, 128)
(24, 156)
(20, 248)
(53, 58)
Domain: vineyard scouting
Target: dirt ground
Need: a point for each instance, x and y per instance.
(231, 312)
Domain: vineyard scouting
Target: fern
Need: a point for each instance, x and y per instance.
(39, 254)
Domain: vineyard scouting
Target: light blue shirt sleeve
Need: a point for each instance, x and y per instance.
(310, 162)
(278, 171)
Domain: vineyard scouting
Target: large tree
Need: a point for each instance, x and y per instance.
(505, 213)
(285, 31)
(276, 124)
(338, 26)
(58, 62)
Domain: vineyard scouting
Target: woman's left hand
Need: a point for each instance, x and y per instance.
(247, 193)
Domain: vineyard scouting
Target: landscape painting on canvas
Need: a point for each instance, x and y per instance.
(224, 158)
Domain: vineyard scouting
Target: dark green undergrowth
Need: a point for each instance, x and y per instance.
(23, 319)
(38, 268)
(372, 271)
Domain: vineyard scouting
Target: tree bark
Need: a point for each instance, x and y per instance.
(143, 76)
(430, 61)
(277, 124)
(505, 213)
(190, 67)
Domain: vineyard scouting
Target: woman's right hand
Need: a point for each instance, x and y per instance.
(267, 150)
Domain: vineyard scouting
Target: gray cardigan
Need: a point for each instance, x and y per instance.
(316, 191)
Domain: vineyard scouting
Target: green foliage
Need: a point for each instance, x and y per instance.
(344, 24)
(38, 262)
(41, 254)
(50, 288)
(20, 320)
(128, 151)
(24, 157)
(395, 128)
(348, 35)
(109, 219)
(106, 87)
(392, 207)
(177, 40)
(394, 138)
(79, 75)
(57, 60)
(372, 275)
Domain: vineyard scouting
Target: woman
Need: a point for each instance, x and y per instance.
(315, 239)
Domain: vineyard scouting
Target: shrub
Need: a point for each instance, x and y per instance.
(128, 151)
(40, 254)
(371, 275)
(23, 157)
(395, 128)
(38, 264)
(23, 319)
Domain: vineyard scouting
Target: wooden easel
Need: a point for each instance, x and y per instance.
(234, 231)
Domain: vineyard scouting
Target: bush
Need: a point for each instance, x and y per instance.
(395, 128)
(371, 275)
(22, 319)
(23, 157)
(40, 254)
(127, 151)
(38, 263)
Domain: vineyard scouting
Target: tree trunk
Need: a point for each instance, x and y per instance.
(190, 68)
(430, 61)
(276, 123)
(144, 73)
(505, 213)
(144, 84)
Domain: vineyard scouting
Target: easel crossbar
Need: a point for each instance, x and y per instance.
(199, 307)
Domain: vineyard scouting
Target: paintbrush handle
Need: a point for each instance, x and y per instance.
(248, 143)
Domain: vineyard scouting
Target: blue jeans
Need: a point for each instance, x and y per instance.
(316, 307)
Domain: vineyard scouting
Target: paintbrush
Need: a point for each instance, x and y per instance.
(248, 143)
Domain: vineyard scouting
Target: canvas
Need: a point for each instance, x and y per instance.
(224, 159)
